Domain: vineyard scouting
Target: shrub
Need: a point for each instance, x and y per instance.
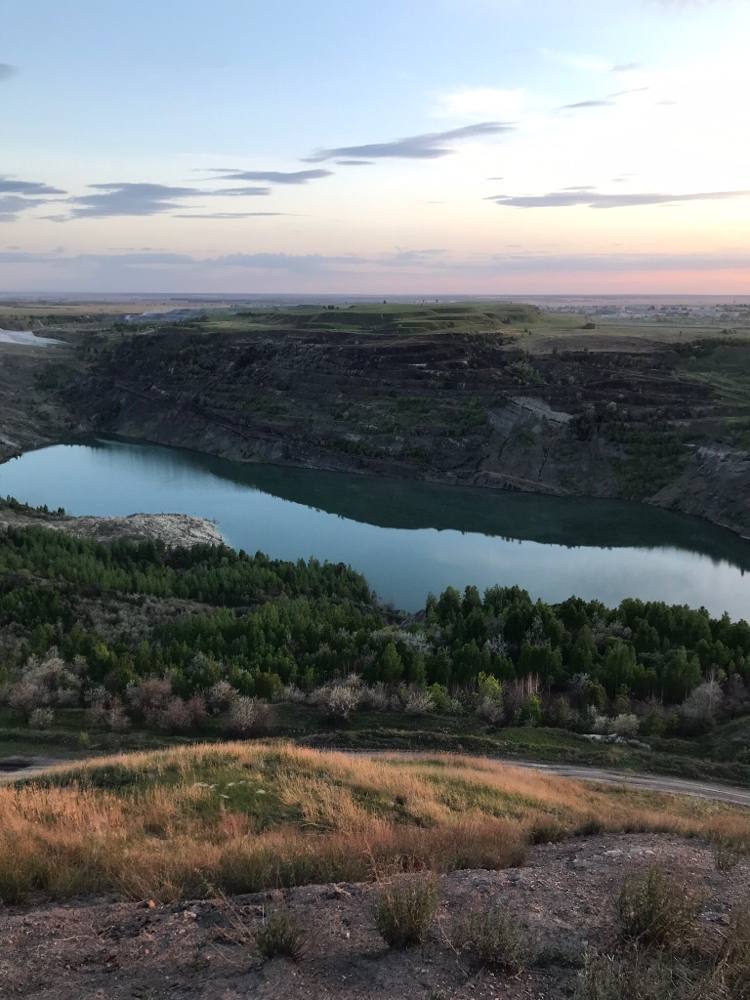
(25, 698)
(196, 708)
(174, 717)
(220, 697)
(636, 977)
(248, 717)
(279, 934)
(496, 938)
(652, 724)
(293, 695)
(560, 714)
(531, 711)
(735, 955)
(727, 855)
(440, 697)
(700, 709)
(339, 701)
(108, 713)
(148, 698)
(490, 689)
(41, 718)
(54, 681)
(656, 910)
(419, 702)
(403, 911)
(490, 712)
(626, 725)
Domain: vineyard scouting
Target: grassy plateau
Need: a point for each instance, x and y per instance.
(242, 817)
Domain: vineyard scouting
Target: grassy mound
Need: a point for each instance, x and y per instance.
(244, 817)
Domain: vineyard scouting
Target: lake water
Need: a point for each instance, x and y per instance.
(407, 538)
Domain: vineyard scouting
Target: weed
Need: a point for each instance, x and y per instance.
(496, 938)
(403, 910)
(656, 910)
(727, 855)
(635, 977)
(280, 933)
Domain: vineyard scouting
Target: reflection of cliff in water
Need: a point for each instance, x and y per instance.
(399, 503)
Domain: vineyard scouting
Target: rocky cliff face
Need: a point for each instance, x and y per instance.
(447, 408)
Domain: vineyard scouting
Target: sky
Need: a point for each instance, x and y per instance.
(490, 147)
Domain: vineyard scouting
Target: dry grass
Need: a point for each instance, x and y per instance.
(248, 817)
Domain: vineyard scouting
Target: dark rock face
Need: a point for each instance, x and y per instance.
(446, 407)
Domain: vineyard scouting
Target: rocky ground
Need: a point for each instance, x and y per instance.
(172, 529)
(110, 950)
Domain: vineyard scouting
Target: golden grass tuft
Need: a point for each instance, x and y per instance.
(246, 817)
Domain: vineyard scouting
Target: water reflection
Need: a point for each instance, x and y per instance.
(407, 537)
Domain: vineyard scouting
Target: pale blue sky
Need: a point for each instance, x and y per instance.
(552, 146)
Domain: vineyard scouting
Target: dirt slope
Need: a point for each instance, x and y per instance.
(116, 950)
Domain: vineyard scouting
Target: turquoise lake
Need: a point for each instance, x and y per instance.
(406, 537)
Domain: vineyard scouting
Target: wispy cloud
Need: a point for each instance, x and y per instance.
(20, 196)
(124, 198)
(7, 71)
(355, 163)
(627, 67)
(586, 104)
(585, 196)
(129, 199)
(274, 176)
(226, 215)
(240, 192)
(634, 90)
(9, 185)
(429, 146)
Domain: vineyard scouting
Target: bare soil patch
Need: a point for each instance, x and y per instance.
(565, 893)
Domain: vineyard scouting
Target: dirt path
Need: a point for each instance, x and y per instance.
(730, 794)
(648, 782)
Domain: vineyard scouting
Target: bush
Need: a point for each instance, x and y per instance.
(490, 689)
(108, 713)
(248, 717)
(403, 911)
(196, 709)
(150, 697)
(376, 698)
(279, 934)
(25, 698)
(636, 977)
(339, 701)
(440, 697)
(221, 697)
(656, 910)
(174, 717)
(490, 712)
(41, 718)
(531, 711)
(496, 938)
(418, 702)
(626, 726)
(735, 956)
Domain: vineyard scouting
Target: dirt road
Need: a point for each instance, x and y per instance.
(730, 794)
(648, 782)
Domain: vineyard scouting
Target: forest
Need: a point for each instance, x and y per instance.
(243, 630)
